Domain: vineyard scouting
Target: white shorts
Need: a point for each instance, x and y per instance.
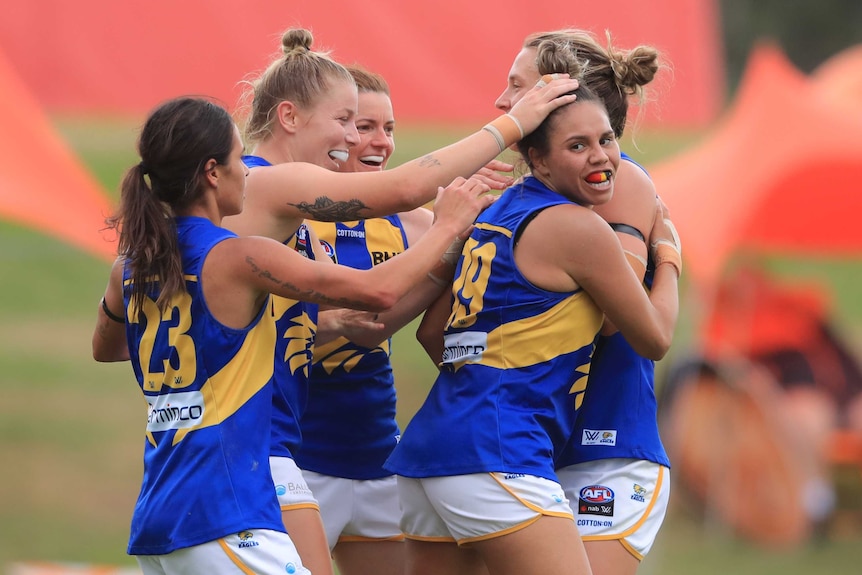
(466, 508)
(250, 551)
(618, 499)
(357, 510)
(290, 485)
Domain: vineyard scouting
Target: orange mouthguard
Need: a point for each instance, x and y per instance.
(598, 177)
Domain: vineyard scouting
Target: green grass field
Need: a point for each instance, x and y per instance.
(71, 430)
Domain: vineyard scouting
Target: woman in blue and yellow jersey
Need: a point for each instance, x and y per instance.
(615, 449)
(300, 126)
(349, 426)
(186, 303)
(537, 275)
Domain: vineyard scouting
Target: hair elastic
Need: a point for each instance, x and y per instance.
(111, 315)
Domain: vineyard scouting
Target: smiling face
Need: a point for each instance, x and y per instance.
(375, 123)
(581, 155)
(326, 131)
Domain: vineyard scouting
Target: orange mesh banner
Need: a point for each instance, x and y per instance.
(42, 184)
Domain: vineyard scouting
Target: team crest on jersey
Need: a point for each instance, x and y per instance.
(246, 539)
(639, 493)
(596, 500)
(599, 437)
(329, 250)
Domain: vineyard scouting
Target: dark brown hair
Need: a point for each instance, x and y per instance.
(554, 57)
(177, 140)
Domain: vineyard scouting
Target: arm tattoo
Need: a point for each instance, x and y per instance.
(325, 210)
(429, 160)
(102, 328)
(299, 294)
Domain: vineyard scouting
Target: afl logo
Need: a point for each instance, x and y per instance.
(597, 494)
(329, 250)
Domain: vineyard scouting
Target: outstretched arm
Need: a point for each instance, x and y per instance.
(239, 272)
(279, 196)
(370, 332)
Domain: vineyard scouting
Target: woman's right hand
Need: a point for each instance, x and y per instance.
(460, 202)
(550, 92)
(490, 174)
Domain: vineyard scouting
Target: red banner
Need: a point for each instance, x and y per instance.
(445, 61)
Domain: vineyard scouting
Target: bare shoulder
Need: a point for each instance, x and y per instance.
(572, 220)
(418, 216)
(270, 185)
(633, 202)
(563, 230)
(563, 244)
(416, 223)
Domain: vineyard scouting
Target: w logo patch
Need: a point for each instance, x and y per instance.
(599, 437)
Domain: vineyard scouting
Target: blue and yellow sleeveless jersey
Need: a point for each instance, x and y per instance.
(295, 323)
(349, 426)
(515, 363)
(209, 400)
(618, 416)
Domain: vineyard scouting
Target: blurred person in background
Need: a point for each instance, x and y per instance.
(790, 390)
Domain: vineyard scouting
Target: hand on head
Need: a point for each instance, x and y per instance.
(549, 93)
(545, 80)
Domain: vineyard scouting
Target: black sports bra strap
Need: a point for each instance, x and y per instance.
(627, 229)
(524, 223)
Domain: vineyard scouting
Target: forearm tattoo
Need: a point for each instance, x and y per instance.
(429, 160)
(310, 295)
(325, 210)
